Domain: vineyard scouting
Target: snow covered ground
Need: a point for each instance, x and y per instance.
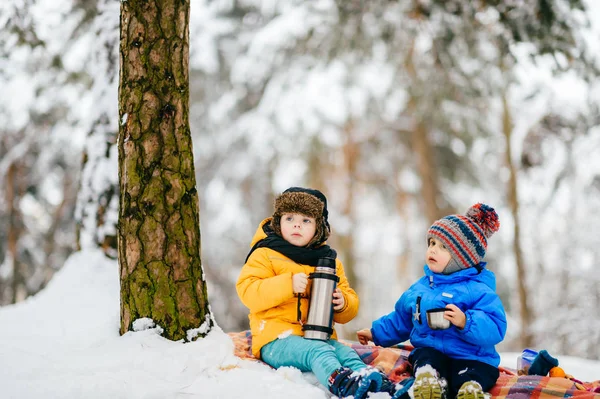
(64, 343)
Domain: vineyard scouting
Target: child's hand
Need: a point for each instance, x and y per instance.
(455, 316)
(364, 336)
(299, 282)
(338, 299)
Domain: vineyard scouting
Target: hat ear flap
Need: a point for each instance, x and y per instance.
(326, 230)
(321, 234)
(276, 224)
(453, 266)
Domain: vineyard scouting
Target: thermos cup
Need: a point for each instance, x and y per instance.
(435, 319)
(320, 309)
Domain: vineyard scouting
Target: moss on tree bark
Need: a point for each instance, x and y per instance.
(159, 233)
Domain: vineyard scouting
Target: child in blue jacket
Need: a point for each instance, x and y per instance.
(460, 361)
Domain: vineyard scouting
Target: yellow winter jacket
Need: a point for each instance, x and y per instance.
(265, 287)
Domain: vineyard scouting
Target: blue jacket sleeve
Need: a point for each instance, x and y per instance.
(486, 319)
(395, 327)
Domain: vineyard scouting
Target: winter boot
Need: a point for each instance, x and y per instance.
(387, 385)
(542, 363)
(470, 390)
(402, 388)
(427, 385)
(396, 391)
(345, 382)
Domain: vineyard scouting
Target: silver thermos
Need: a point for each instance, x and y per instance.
(320, 309)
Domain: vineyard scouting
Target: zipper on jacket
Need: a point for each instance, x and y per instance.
(417, 315)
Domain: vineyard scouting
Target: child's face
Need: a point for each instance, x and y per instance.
(437, 256)
(297, 229)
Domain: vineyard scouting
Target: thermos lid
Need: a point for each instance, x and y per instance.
(326, 262)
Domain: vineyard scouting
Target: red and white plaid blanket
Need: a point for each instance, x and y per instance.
(393, 361)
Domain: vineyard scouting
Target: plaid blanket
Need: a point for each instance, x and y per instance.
(393, 362)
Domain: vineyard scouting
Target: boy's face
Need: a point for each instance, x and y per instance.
(437, 256)
(297, 229)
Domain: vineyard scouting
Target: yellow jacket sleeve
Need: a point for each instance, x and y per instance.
(351, 303)
(259, 287)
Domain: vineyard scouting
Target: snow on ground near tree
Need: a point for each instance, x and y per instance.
(64, 343)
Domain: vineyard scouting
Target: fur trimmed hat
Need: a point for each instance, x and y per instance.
(305, 201)
(465, 236)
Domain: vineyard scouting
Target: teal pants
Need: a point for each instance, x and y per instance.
(320, 357)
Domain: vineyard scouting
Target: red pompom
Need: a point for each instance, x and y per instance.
(486, 217)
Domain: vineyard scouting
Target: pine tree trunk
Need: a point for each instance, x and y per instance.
(14, 232)
(351, 155)
(425, 164)
(513, 202)
(430, 191)
(159, 232)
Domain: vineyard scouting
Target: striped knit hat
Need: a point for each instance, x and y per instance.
(465, 236)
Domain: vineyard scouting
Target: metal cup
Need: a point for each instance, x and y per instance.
(435, 319)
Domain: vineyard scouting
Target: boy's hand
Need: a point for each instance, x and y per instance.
(455, 316)
(338, 300)
(299, 282)
(364, 336)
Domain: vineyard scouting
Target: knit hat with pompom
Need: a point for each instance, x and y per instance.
(465, 236)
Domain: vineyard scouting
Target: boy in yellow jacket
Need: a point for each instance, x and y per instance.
(285, 250)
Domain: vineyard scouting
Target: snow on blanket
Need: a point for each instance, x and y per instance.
(393, 361)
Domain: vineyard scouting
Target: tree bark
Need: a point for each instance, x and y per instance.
(13, 232)
(424, 153)
(159, 233)
(15, 187)
(513, 202)
(351, 155)
(430, 191)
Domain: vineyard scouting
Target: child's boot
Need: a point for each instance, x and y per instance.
(345, 382)
(470, 390)
(542, 363)
(396, 390)
(427, 385)
(387, 385)
(402, 388)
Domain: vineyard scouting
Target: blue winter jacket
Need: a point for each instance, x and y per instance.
(472, 291)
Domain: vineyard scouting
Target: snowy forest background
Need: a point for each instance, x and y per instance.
(401, 112)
